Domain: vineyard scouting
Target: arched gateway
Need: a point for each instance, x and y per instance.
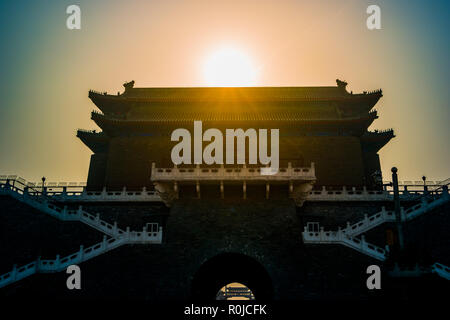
(227, 268)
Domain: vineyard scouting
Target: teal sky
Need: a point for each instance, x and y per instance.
(47, 70)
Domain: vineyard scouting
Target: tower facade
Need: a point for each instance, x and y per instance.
(327, 126)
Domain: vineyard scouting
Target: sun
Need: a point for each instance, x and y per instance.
(229, 67)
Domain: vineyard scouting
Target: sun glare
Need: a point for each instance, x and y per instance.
(229, 67)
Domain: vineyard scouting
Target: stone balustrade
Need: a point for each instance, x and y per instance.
(441, 270)
(417, 271)
(229, 174)
(339, 237)
(369, 222)
(150, 234)
(77, 191)
(354, 194)
(65, 214)
(82, 255)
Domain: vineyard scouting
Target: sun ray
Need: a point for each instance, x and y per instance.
(229, 67)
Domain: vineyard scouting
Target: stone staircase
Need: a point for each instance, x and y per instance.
(44, 205)
(314, 234)
(339, 237)
(151, 234)
(370, 222)
(441, 270)
(61, 264)
(437, 268)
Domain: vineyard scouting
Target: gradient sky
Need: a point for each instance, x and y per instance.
(47, 69)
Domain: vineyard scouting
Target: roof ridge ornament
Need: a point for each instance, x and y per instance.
(341, 84)
(128, 85)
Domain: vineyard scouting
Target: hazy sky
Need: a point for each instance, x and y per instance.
(47, 69)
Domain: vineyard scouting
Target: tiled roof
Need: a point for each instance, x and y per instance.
(170, 116)
(235, 93)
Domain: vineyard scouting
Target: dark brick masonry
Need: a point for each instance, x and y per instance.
(266, 232)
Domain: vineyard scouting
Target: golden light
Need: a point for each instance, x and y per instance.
(229, 67)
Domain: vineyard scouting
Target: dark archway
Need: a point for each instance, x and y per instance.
(226, 268)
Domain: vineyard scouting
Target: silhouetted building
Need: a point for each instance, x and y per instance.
(324, 125)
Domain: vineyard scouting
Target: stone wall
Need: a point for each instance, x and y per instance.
(338, 160)
(97, 171)
(196, 232)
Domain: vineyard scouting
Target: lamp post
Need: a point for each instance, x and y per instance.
(398, 217)
(43, 185)
(425, 188)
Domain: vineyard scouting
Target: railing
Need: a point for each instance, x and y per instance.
(87, 131)
(65, 214)
(222, 173)
(382, 131)
(150, 234)
(351, 194)
(82, 255)
(441, 270)
(417, 271)
(231, 292)
(339, 237)
(67, 194)
(73, 191)
(387, 194)
(98, 92)
(97, 112)
(370, 222)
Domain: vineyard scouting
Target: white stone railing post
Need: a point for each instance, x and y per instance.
(79, 211)
(159, 236)
(321, 234)
(57, 262)
(366, 220)
(14, 273)
(402, 214)
(38, 263)
(383, 213)
(144, 233)
(81, 253)
(114, 229)
(348, 228)
(103, 245)
(64, 213)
